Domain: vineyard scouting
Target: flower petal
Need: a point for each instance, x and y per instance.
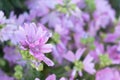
(51, 77)
(69, 56)
(79, 53)
(46, 48)
(80, 73)
(48, 61)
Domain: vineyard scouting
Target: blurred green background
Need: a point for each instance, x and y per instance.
(18, 6)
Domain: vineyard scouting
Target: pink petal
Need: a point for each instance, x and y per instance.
(62, 78)
(79, 53)
(48, 61)
(37, 79)
(69, 56)
(46, 48)
(90, 70)
(39, 33)
(88, 59)
(73, 74)
(51, 77)
(44, 38)
(80, 73)
(30, 30)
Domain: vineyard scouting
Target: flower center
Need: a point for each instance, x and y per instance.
(78, 65)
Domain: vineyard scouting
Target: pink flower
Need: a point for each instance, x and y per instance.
(4, 76)
(11, 54)
(114, 53)
(103, 14)
(86, 64)
(113, 37)
(58, 52)
(34, 39)
(53, 77)
(108, 74)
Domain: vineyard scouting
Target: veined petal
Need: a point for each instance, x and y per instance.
(46, 48)
(30, 30)
(79, 53)
(69, 56)
(73, 74)
(89, 68)
(48, 61)
(88, 59)
(51, 77)
(44, 37)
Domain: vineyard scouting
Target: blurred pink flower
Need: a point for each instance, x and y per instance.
(108, 74)
(86, 64)
(4, 76)
(12, 55)
(53, 77)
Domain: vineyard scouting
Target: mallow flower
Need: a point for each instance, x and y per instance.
(86, 64)
(34, 39)
(12, 54)
(52, 77)
(108, 74)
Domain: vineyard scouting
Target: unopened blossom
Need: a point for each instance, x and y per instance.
(34, 39)
(108, 74)
(86, 64)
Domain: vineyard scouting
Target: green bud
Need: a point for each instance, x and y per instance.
(105, 60)
(25, 54)
(18, 75)
(18, 68)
